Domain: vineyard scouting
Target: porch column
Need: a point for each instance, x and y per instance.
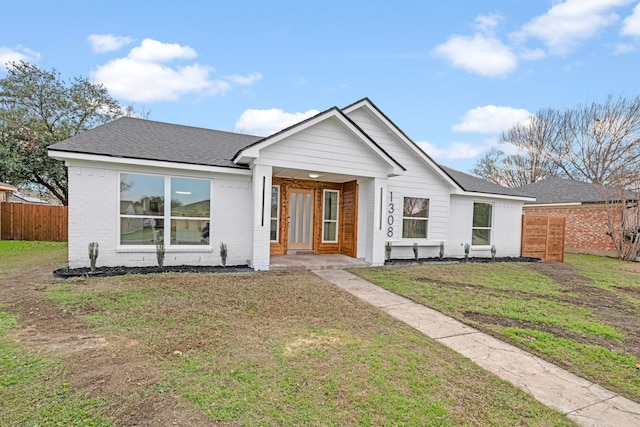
(261, 216)
(376, 203)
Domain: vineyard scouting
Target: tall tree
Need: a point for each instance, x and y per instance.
(37, 109)
(597, 142)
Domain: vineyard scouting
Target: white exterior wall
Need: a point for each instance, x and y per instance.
(261, 245)
(418, 181)
(506, 230)
(94, 217)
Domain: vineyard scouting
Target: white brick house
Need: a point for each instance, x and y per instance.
(344, 181)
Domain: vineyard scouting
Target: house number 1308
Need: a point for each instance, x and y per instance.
(391, 210)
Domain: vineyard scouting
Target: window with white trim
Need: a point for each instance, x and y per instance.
(146, 218)
(275, 212)
(330, 216)
(415, 218)
(482, 221)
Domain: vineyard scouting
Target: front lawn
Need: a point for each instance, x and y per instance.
(581, 315)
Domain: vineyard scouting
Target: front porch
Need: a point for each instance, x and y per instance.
(315, 262)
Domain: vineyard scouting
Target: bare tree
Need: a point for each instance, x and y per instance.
(591, 142)
(623, 215)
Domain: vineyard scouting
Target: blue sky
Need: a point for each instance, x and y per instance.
(451, 75)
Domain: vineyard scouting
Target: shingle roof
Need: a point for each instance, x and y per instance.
(477, 185)
(560, 190)
(149, 140)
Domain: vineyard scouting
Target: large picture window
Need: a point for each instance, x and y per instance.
(415, 218)
(482, 220)
(146, 218)
(275, 212)
(330, 216)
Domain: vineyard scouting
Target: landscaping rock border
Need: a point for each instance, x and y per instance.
(67, 273)
(449, 260)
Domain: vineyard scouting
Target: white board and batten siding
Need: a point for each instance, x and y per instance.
(325, 147)
(94, 217)
(419, 180)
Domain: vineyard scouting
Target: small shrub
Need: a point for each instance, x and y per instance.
(160, 253)
(493, 252)
(387, 251)
(223, 254)
(415, 250)
(467, 248)
(441, 253)
(93, 254)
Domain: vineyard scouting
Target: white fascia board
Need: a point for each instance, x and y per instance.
(252, 153)
(496, 196)
(96, 158)
(400, 135)
(552, 205)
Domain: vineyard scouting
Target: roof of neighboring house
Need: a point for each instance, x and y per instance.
(561, 191)
(7, 187)
(149, 140)
(474, 184)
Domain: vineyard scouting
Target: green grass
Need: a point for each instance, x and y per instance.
(553, 321)
(291, 349)
(17, 254)
(34, 391)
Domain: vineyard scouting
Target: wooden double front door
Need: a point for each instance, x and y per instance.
(305, 224)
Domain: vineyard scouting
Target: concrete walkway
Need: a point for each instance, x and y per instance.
(580, 400)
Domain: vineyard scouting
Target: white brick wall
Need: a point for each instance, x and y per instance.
(94, 217)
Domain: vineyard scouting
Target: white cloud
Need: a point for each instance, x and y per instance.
(491, 119)
(486, 23)
(17, 54)
(147, 75)
(155, 51)
(267, 122)
(569, 23)
(101, 43)
(480, 54)
(631, 26)
(454, 150)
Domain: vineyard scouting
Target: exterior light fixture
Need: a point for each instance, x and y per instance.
(314, 175)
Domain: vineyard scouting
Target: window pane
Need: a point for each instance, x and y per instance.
(275, 200)
(141, 231)
(330, 232)
(189, 232)
(274, 230)
(190, 197)
(481, 237)
(482, 215)
(414, 228)
(416, 207)
(141, 195)
(331, 205)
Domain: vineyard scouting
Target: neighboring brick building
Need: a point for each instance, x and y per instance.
(582, 204)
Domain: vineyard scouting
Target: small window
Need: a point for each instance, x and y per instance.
(330, 216)
(415, 218)
(275, 212)
(482, 220)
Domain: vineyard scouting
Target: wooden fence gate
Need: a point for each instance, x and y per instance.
(21, 221)
(543, 237)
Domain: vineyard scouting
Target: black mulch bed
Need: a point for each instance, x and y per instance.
(458, 260)
(66, 273)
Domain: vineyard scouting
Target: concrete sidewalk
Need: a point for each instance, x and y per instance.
(580, 400)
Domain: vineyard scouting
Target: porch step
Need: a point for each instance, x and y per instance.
(315, 262)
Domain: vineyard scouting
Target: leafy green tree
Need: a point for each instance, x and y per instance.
(37, 109)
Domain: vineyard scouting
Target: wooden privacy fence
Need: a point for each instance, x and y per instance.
(543, 237)
(20, 221)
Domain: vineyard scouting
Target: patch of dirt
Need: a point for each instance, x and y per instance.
(113, 370)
